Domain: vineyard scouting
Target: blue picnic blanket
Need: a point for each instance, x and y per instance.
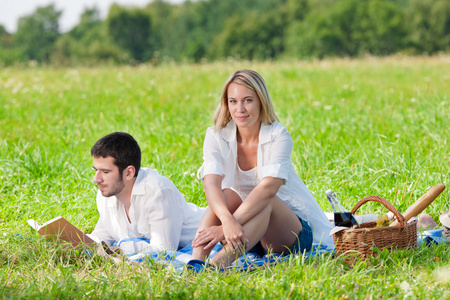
(430, 236)
(249, 261)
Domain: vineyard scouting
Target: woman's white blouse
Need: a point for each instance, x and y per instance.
(273, 160)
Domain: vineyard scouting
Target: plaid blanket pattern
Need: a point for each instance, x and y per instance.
(249, 261)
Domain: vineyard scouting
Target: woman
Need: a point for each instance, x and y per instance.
(256, 200)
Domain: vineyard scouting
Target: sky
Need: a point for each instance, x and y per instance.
(12, 10)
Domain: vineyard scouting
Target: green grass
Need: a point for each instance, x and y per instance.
(360, 127)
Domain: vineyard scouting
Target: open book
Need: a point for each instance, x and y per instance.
(62, 229)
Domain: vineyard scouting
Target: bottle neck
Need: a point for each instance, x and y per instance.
(335, 204)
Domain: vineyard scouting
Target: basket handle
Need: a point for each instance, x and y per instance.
(401, 219)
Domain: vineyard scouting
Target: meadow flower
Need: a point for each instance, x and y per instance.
(442, 274)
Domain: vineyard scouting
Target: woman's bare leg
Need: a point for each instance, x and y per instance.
(284, 228)
(254, 229)
(276, 226)
(210, 219)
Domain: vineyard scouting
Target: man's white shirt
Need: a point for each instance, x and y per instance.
(158, 212)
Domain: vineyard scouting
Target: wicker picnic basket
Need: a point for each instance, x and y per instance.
(361, 241)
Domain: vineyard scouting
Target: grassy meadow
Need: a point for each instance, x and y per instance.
(375, 126)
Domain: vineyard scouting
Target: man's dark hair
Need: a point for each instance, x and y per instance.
(122, 147)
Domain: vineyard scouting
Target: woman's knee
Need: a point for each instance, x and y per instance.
(281, 209)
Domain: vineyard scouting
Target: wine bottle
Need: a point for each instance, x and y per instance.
(342, 217)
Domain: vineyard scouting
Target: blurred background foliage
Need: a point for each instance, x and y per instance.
(211, 30)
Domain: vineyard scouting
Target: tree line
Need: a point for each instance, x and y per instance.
(243, 29)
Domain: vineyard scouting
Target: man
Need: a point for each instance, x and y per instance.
(136, 202)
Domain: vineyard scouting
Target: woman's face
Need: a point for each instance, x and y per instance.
(244, 106)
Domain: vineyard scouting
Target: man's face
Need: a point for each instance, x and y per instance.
(107, 176)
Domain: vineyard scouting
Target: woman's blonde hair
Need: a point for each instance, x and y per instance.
(256, 83)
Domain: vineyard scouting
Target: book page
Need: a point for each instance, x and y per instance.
(51, 221)
(62, 229)
(34, 224)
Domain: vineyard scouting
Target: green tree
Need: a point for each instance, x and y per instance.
(130, 29)
(379, 28)
(348, 28)
(3, 36)
(246, 29)
(429, 23)
(92, 48)
(295, 10)
(188, 37)
(189, 31)
(37, 33)
(65, 50)
(88, 43)
(251, 36)
(89, 20)
(8, 55)
(162, 15)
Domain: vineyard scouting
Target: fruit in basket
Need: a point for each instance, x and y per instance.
(383, 220)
